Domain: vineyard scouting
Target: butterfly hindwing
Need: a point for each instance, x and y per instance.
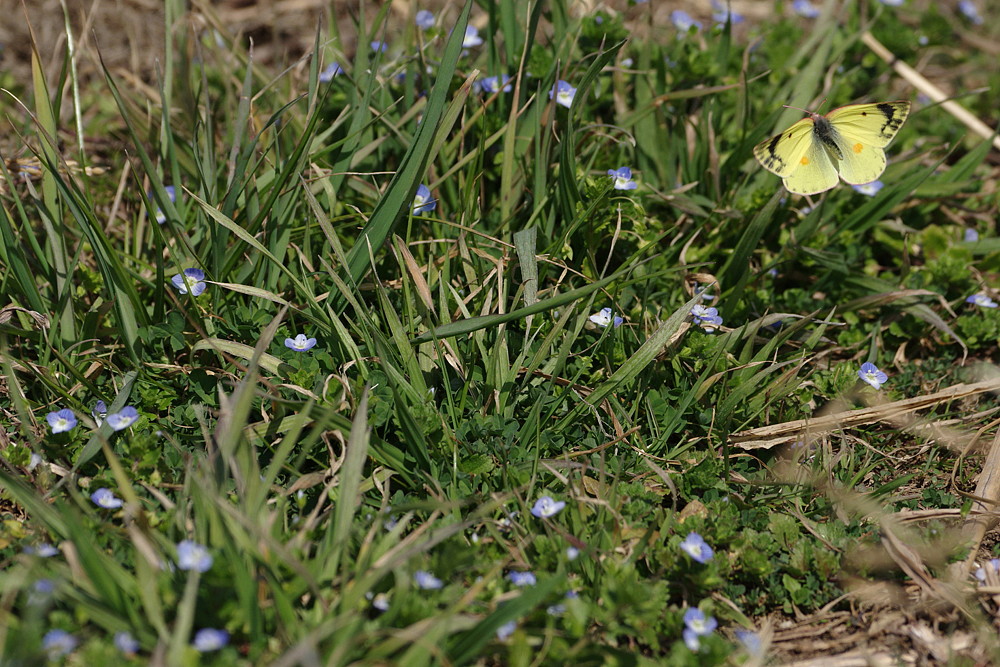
(847, 141)
(862, 163)
(815, 172)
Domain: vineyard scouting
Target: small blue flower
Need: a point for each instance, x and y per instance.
(506, 630)
(691, 639)
(61, 420)
(971, 235)
(623, 178)
(981, 300)
(694, 545)
(58, 643)
(521, 579)
(210, 639)
(723, 13)
(126, 643)
(193, 556)
(983, 571)
(697, 625)
(300, 343)
(171, 191)
(563, 93)
(379, 601)
(705, 317)
(422, 202)
(494, 84)
(380, 47)
(41, 593)
(424, 19)
(604, 318)
(119, 421)
(572, 553)
(695, 619)
(190, 280)
(872, 375)
(683, 21)
(893, 3)
(556, 609)
(471, 38)
(44, 587)
(703, 290)
(330, 71)
(970, 11)
(34, 461)
(43, 550)
(805, 9)
(751, 642)
(546, 507)
(426, 580)
(105, 498)
(99, 412)
(869, 189)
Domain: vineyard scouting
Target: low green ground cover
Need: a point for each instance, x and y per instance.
(316, 372)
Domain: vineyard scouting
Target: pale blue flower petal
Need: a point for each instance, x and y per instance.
(57, 643)
(694, 545)
(424, 19)
(422, 201)
(870, 374)
(193, 556)
(426, 580)
(120, 421)
(105, 498)
(61, 420)
(546, 507)
(210, 639)
(126, 643)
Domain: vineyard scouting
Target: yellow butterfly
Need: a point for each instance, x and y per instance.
(847, 141)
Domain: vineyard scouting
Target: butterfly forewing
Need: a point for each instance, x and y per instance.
(782, 153)
(872, 124)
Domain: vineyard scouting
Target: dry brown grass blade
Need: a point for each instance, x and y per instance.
(902, 545)
(911, 563)
(416, 274)
(853, 659)
(767, 437)
(914, 78)
(984, 507)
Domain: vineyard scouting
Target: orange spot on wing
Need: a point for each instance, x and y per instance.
(804, 161)
(857, 148)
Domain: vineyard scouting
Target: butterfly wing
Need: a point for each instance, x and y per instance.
(782, 153)
(862, 163)
(815, 171)
(871, 124)
(862, 131)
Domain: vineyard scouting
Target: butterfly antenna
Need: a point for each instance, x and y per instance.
(811, 113)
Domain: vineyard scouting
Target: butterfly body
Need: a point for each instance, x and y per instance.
(814, 153)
